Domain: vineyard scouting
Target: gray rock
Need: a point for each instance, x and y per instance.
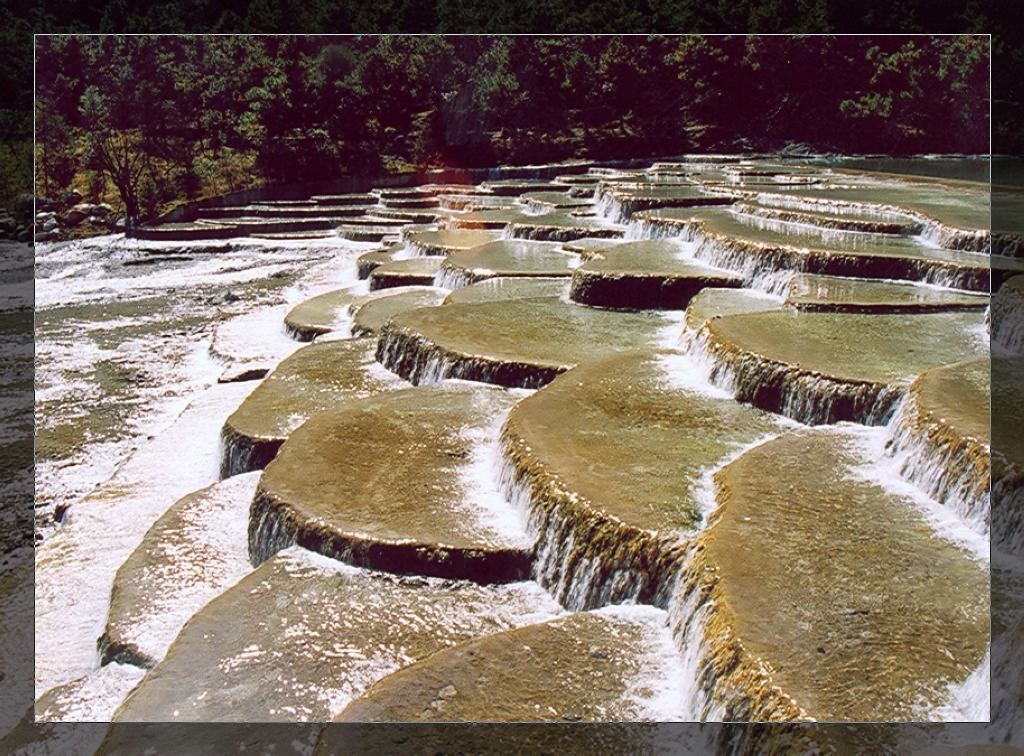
(73, 217)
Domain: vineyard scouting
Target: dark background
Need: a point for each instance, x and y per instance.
(18, 20)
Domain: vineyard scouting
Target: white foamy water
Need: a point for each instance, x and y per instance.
(884, 471)
(92, 698)
(685, 371)
(75, 566)
(202, 557)
(657, 690)
(480, 479)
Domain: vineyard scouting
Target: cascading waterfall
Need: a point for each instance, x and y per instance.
(456, 278)
(787, 390)
(242, 454)
(950, 468)
(585, 559)
(418, 360)
(768, 267)
(1006, 319)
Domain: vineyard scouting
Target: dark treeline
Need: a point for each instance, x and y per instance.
(19, 19)
(151, 119)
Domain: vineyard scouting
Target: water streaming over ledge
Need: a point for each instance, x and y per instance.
(588, 560)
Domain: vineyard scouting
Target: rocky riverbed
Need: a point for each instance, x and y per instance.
(698, 440)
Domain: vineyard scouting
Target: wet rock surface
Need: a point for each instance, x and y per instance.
(645, 275)
(509, 257)
(302, 635)
(416, 271)
(804, 551)
(509, 287)
(388, 483)
(190, 555)
(804, 364)
(447, 241)
(316, 378)
(836, 294)
(416, 547)
(608, 460)
(758, 247)
(520, 343)
(321, 314)
(372, 312)
(606, 662)
(941, 438)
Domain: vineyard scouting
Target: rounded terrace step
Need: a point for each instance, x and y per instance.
(520, 342)
(590, 246)
(501, 288)
(302, 635)
(716, 303)
(513, 187)
(863, 221)
(372, 312)
(806, 366)
(616, 664)
(645, 275)
(1007, 316)
(322, 314)
(195, 551)
(447, 241)
(368, 262)
(547, 201)
(367, 232)
(757, 247)
(829, 596)
(491, 219)
(941, 438)
(392, 483)
(609, 459)
(344, 199)
(620, 201)
(315, 378)
(836, 294)
(507, 257)
(561, 226)
(415, 271)
(463, 202)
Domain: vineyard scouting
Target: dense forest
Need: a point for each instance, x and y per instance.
(144, 121)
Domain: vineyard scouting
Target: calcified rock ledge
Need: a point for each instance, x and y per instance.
(335, 490)
(558, 232)
(732, 687)
(417, 271)
(775, 618)
(945, 460)
(584, 557)
(839, 222)
(368, 262)
(644, 275)
(757, 260)
(318, 315)
(316, 378)
(589, 666)
(445, 242)
(1006, 316)
(932, 229)
(804, 395)
(414, 357)
(274, 526)
(814, 293)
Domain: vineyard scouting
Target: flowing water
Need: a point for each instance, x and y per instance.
(644, 405)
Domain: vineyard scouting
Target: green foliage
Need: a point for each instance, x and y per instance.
(165, 118)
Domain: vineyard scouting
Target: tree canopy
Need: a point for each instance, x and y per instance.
(165, 117)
